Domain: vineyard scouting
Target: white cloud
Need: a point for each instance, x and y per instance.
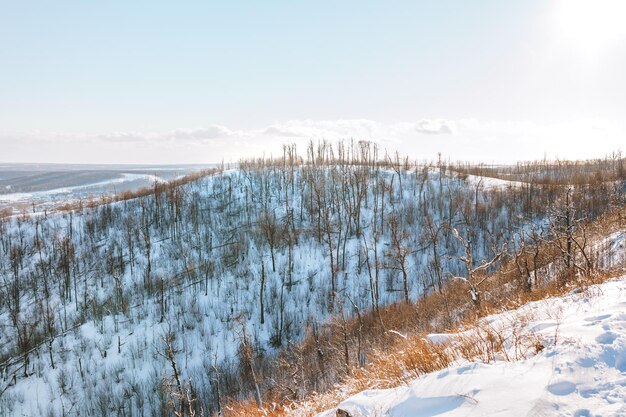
(200, 134)
(120, 137)
(280, 131)
(434, 127)
(461, 139)
(328, 129)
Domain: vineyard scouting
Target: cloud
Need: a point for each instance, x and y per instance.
(341, 129)
(190, 135)
(200, 134)
(434, 127)
(327, 129)
(458, 139)
(281, 131)
(122, 137)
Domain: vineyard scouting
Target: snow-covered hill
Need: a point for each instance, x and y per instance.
(88, 297)
(235, 270)
(581, 371)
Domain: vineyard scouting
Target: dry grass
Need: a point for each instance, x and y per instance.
(400, 350)
(411, 357)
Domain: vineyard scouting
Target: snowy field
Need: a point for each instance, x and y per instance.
(581, 371)
(47, 184)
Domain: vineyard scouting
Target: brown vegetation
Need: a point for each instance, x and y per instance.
(394, 341)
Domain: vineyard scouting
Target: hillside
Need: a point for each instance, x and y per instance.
(246, 285)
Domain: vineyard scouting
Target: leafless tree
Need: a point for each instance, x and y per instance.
(474, 279)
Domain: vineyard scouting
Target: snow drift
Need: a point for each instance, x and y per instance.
(580, 372)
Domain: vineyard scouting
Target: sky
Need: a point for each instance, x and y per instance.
(151, 81)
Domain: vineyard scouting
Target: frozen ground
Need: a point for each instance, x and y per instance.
(580, 372)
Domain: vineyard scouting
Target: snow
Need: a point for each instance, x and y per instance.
(25, 197)
(103, 353)
(581, 371)
(614, 246)
(491, 182)
(15, 197)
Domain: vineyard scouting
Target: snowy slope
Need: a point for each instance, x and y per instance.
(193, 261)
(581, 371)
(491, 182)
(198, 278)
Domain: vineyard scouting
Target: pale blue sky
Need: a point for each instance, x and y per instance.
(182, 81)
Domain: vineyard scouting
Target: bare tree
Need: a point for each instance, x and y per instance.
(246, 358)
(569, 234)
(399, 252)
(180, 397)
(474, 280)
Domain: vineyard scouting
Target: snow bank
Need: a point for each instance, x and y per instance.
(581, 372)
(491, 182)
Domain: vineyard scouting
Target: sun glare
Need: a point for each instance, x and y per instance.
(592, 24)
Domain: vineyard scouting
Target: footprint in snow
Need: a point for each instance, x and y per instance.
(606, 338)
(542, 326)
(587, 362)
(615, 358)
(443, 374)
(427, 406)
(464, 369)
(561, 388)
(598, 318)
